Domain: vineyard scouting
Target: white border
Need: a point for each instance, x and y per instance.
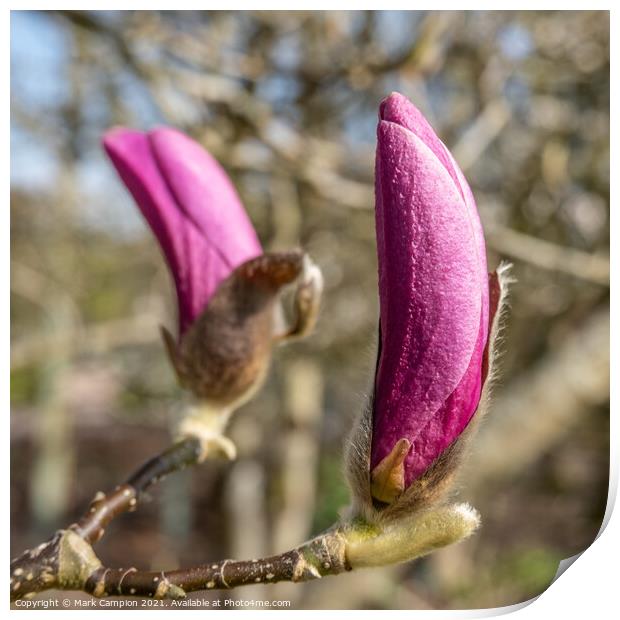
(589, 585)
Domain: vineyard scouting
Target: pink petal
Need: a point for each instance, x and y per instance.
(191, 207)
(449, 421)
(431, 298)
(398, 109)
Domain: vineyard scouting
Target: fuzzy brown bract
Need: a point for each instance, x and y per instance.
(224, 356)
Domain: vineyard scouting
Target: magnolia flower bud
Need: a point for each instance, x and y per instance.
(436, 314)
(227, 288)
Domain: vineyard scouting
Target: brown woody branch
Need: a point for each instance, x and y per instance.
(43, 567)
(322, 556)
(68, 562)
(105, 507)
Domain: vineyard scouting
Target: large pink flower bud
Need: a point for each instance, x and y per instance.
(435, 312)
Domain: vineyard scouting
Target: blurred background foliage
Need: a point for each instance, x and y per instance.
(287, 101)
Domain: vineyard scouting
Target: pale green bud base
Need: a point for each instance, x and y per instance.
(409, 537)
(207, 423)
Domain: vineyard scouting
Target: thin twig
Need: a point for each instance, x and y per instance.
(105, 507)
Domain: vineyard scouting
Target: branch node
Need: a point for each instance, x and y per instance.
(76, 561)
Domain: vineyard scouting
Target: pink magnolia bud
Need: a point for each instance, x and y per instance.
(435, 316)
(227, 289)
(433, 291)
(190, 205)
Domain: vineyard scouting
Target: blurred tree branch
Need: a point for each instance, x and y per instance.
(541, 406)
(94, 338)
(549, 256)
